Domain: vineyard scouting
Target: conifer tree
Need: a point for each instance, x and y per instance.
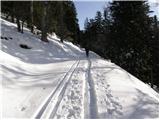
(131, 36)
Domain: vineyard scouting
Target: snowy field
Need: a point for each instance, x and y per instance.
(56, 80)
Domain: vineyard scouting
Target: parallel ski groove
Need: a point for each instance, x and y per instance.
(60, 97)
(43, 108)
(86, 95)
(93, 110)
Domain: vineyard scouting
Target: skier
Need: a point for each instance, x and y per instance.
(87, 46)
(87, 51)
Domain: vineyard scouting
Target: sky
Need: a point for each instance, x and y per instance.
(89, 8)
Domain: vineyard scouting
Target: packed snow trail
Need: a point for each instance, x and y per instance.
(56, 80)
(93, 113)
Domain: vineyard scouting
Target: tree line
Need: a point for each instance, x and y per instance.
(46, 16)
(127, 34)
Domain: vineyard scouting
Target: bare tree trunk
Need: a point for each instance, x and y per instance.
(13, 12)
(22, 27)
(18, 25)
(12, 18)
(32, 28)
(61, 22)
(44, 29)
(7, 15)
(151, 78)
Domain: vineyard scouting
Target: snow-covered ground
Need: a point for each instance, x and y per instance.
(55, 80)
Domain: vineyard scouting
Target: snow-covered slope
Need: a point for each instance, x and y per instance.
(55, 80)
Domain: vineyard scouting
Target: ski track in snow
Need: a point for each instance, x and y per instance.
(91, 97)
(86, 94)
(60, 97)
(58, 92)
(71, 104)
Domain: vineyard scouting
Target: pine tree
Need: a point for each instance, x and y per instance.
(131, 35)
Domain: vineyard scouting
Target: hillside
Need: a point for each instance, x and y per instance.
(56, 80)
